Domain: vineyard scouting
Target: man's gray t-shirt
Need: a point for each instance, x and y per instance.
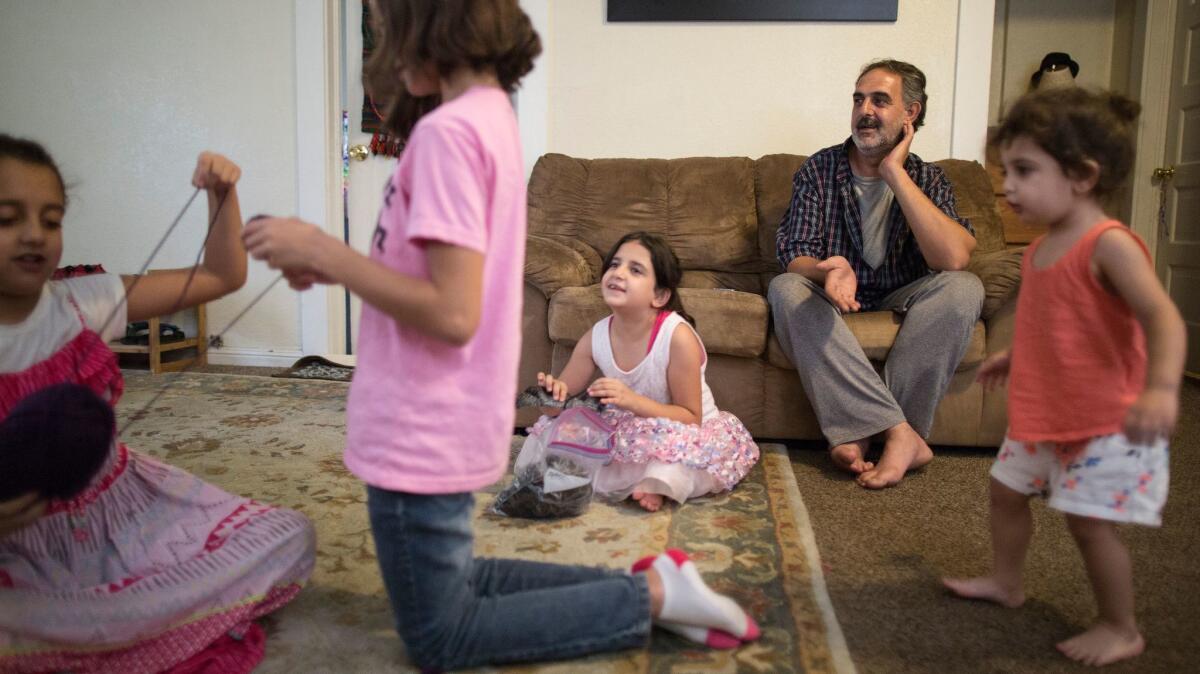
(874, 202)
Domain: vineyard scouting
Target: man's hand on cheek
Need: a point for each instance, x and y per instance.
(893, 164)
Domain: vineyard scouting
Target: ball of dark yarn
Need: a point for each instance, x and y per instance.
(54, 441)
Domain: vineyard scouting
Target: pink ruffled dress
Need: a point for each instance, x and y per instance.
(149, 565)
(678, 460)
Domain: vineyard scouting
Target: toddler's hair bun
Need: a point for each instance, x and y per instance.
(1126, 109)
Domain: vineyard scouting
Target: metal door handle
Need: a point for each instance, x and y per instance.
(359, 152)
(1164, 173)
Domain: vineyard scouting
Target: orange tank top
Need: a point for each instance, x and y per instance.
(1078, 355)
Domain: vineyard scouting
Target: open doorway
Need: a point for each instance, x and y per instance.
(1178, 223)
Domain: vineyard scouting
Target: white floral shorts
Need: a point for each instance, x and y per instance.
(1107, 477)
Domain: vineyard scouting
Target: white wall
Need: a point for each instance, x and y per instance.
(1033, 28)
(721, 89)
(125, 94)
(532, 98)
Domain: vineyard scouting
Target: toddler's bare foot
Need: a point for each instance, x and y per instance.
(903, 451)
(1103, 644)
(849, 456)
(650, 502)
(986, 588)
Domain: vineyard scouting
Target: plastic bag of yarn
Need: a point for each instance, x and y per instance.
(553, 473)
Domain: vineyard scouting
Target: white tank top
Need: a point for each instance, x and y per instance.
(649, 377)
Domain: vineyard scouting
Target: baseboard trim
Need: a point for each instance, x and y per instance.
(253, 357)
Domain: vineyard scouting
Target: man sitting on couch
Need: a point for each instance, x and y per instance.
(872, 227)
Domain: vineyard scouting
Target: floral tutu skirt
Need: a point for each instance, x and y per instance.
(672, 458)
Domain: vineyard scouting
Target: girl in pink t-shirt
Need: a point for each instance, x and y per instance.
(671, 440)
(1095, 365)
(430, 412)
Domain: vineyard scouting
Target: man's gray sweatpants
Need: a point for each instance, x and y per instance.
(849, 399)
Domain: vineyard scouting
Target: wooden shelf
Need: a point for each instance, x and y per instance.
(156, 348)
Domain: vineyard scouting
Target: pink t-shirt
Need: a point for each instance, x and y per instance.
(425, 416)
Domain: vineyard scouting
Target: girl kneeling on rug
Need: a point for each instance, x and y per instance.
(430, 413)
(670, 440)
(147, 565)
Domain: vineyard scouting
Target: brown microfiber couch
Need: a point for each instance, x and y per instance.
(721, 215)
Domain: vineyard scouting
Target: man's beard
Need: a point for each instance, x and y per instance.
(881, 144)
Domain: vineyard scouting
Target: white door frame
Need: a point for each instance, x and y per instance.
(1152, 129)
(972, 79)
(318, 165)
(533, 97)
(318, 50)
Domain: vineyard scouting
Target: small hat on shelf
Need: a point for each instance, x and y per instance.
(1058, 69)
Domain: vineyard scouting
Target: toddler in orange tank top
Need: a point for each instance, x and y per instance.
(1095, 365)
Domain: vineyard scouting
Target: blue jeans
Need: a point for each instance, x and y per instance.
(454, 610)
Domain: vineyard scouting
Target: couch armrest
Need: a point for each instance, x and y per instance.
(551, 264)
(1000, 271)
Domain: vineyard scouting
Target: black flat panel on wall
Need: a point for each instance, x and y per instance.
(752, 10)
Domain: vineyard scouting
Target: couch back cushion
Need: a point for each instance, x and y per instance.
(773, 194)
(720, 214)
(703, 206)
(976, 201)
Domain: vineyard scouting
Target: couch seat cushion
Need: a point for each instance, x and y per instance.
(876, 331)
(730, 322)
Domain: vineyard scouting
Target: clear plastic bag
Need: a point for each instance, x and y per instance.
(553, 472)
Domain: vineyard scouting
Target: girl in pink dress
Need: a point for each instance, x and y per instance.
(148, 565)
(671, 440)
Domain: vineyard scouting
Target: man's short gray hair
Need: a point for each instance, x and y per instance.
(912, 83)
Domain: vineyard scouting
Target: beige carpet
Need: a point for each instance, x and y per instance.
(884, 553)
(280, 441)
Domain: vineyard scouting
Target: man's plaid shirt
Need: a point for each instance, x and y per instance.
(823, 220)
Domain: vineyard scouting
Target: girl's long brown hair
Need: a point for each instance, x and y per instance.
(484, 35)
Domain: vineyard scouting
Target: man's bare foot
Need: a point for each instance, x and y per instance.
(986, 588)
(648, 501)
(849, 456)
(1103, 644)
(903, 451)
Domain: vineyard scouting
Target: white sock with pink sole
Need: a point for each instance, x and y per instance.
(691, 609)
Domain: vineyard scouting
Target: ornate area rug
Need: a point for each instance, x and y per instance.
(280, 441)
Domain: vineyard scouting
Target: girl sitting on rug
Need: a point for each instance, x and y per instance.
(671, 441)
(147, 566)
(1095, 366)
(430, 413)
